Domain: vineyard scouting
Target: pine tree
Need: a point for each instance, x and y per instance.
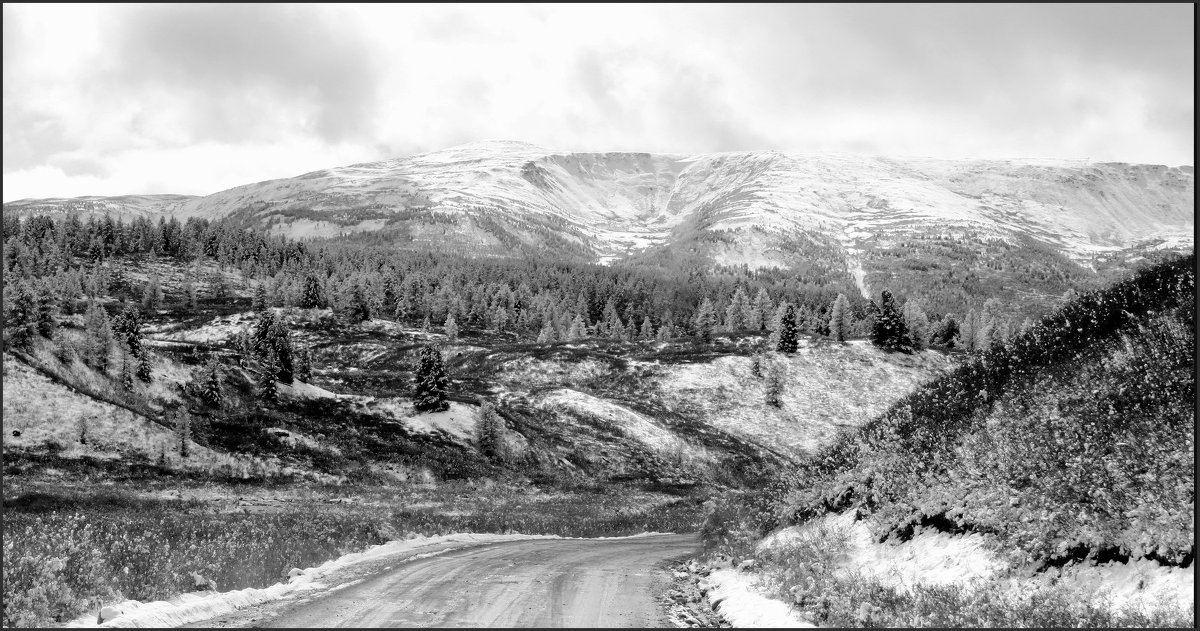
(312, 297)
(98, 337)
(647, 332)
(210, 384)
(499, 318)
(20, 315)
(360, 310)
(705, 320)
(787, 331)
(578, 329)
(281, 347)
(47, 310)
(761, 311)
(947, 332)
(451, 328)
(735, 313)
(489, 433)
(917, 324)
(143, 367)
(267, 388)
(612, 327)
(152, 296)
(259, 303)
(985, 327)
(183, 431)
(757, 362)
(303, 363)
(430, 383)
(889, 332)
(966, 332)
(191, 301)
(546, 334)
(839, 318)
(775, 372)
(126, 372)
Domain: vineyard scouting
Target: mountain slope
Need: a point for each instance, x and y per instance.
(952, 233)
(1074, 440)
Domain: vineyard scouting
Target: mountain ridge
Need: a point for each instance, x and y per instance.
(867, 221)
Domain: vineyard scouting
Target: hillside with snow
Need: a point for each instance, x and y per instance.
(1021, 231)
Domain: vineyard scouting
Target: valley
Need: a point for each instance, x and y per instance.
(796, 357)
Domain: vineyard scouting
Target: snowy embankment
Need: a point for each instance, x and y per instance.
(733, 595)
(937, 558)
(329, 576)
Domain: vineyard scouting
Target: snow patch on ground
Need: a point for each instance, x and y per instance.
(633, 424)
(302, 390)
(937, 558)
(930, 557)
(735, 597)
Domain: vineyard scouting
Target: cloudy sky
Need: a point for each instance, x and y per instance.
(108, 100)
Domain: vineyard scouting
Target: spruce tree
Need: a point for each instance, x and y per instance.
(546, 334)
(839, 318)
(489, 433)
(360, 310)
(947, 332)
(451, 328)
(761, 311)
(191, 302)
(889, 332)
(20, 315)
(312, 296)
(647, 332)
(183, 431)
(210, 384)
(612, 327)
(917, 324)
(578, 329)
(775, 371)
(259, 303)
(152, 296)
(98, 337)
(705, 320)
(267, 388)
(787, 331)
(126, 372)
(735, 313)
(47, 310)
(966, 332)
(430, 383)
(303, 363)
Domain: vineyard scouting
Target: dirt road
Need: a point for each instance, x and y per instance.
(539, 583)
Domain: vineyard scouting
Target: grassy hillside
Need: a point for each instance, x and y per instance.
(1074, 441)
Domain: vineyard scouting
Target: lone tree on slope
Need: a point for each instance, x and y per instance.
(489, 433)
(430, 383)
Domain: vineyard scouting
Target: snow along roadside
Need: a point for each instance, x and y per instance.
(734, 597)
(198, 606)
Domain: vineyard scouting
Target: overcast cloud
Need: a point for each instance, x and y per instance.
(193, 99)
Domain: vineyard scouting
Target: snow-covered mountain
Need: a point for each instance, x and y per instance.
(124, 207)
(608, 205)
(853, 214)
